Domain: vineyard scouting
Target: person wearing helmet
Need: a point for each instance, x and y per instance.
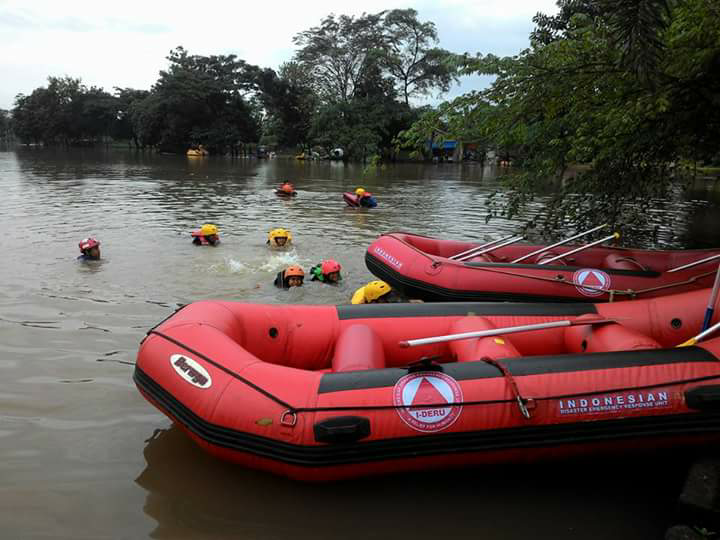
(286, 189)
(327, 271)
(207, 235)
(292, 276)
(279, 238)
(375, 292)
(365, 198)
(89, 249)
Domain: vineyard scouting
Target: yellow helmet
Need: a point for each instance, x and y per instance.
(208, 229)
(279, 233)
(376, 289)
(359, 191)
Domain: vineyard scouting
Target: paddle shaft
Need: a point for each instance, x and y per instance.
(499, 331)
(477, 248)
(690, 265)
(581, 248)
(488, 250)
(711, 302)
(558, 244)
(701, 335)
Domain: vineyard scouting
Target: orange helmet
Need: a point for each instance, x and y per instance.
(294, 270)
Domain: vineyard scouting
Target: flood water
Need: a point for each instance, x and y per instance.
(83, 455)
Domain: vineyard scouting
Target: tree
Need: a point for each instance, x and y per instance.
(65, 112)
(409, 57)
(123, 127)
(199, 100)
(5, 125)
(289, 102)
(627, 107)
(338, 53)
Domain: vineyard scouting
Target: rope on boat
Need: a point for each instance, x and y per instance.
(292, 410)
(612, 292)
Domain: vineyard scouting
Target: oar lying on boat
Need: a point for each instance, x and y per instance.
(556, 244)
(499, 331)
(489, 249)
(711, 302)
(705, 333)
(483, 246)
(613, 236)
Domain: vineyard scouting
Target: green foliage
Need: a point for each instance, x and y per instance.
(626, 88)
(289, 102)
(364, 71)
(339, 53)
(201, 100)
(410, 57)
(349, 85)
(5, 124)
(65, 112)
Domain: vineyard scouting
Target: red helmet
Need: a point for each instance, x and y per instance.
(88, 243)
(329, 266)
(294, 270)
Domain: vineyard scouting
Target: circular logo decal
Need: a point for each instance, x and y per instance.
(591, 282)
(420, 397)
(191, 371)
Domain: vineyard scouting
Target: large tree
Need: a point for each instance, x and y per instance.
(199, 100)
(411, 58)
(339, 53)
(289, 102)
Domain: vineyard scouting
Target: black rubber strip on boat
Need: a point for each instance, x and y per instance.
(630, 428)
(529, 365)
(444, 309)
(424, 290)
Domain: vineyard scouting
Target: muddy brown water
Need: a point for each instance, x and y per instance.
(83, 455)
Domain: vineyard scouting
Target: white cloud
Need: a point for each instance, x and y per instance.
(125, 44)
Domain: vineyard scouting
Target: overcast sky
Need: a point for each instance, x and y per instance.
(125, 43)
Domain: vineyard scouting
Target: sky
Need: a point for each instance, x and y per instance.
(125, 44)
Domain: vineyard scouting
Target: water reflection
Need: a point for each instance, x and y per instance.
(192, 494)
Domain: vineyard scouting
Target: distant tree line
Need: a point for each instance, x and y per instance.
(350, 85)
(6, 128)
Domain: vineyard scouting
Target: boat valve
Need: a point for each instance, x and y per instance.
(288, 418)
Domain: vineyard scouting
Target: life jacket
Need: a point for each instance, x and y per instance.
(85, 257)
(280, 280)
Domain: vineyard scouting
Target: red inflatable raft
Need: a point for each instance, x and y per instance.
(329, 392)
(422, 267)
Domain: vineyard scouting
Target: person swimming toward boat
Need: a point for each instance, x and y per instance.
(365, 198)
(279, 238)
(292, 276)
(286, 189)
(207, 235)
(375, 292)
(327, 271)
(89, 249)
